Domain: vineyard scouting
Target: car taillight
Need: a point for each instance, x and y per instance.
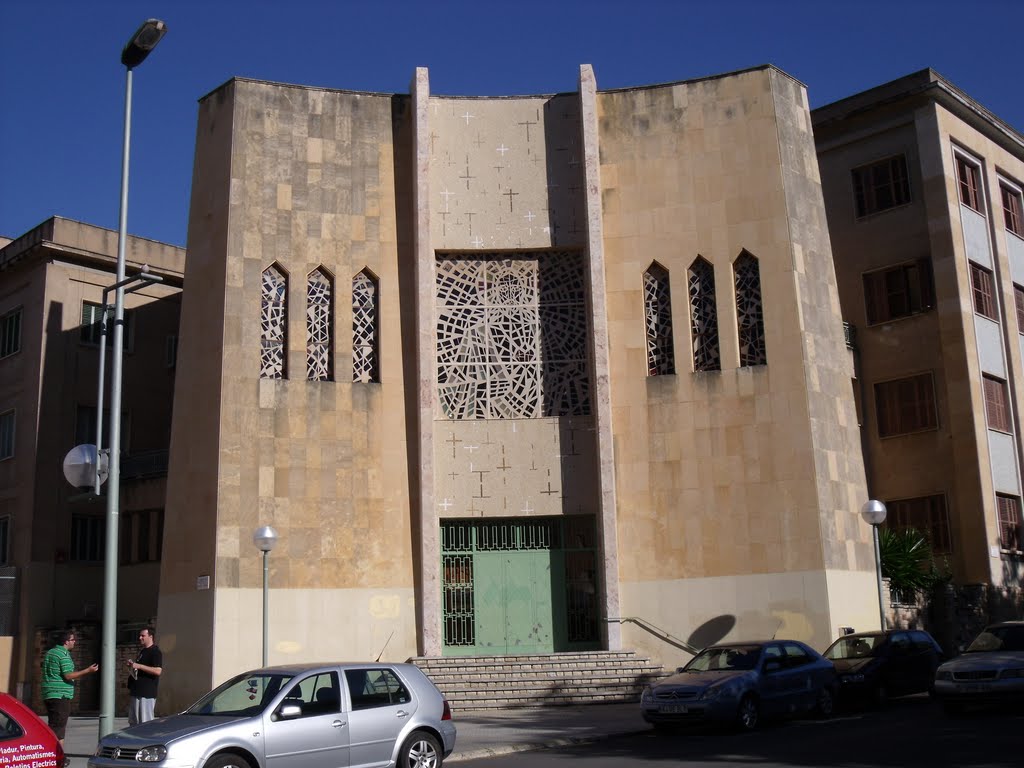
(447, 713)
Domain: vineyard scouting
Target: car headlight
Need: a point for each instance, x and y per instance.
(944, 674)
(151, 754)
(1009, 674)
(647, 694)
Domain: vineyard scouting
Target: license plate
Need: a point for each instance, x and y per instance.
(673, 709)
(974, 687)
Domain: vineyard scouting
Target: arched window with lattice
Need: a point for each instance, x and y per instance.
(703, 316)
(661, 359)
(319, 316)
(749, 312)
(274, 324)
(365, 319)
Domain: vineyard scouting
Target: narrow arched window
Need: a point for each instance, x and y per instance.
(703, 316)
(658, 320)
(749, 314)
(365, 314)
(319, 303)
(273, 324)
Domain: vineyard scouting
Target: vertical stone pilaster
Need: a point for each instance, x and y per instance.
(429, 598)
(599, 353)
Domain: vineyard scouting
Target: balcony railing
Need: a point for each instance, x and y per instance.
(850, 332)
(144, 465)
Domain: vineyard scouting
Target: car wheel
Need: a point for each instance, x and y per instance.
(826, 703)
(228, 760)
(748, 713)
(421, 750)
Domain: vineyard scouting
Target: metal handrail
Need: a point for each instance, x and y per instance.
(657, 631)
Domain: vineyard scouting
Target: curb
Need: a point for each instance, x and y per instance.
(508, 749)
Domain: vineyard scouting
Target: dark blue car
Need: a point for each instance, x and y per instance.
(738, 683)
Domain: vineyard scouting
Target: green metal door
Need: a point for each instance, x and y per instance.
(514, 586)
(513, 608)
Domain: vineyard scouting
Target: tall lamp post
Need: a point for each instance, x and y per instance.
(873, 513)
(265, 538)
(134, 53)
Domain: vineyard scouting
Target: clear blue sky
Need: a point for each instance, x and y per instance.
(62, 83)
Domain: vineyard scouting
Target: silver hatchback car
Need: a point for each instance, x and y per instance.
(301, 716)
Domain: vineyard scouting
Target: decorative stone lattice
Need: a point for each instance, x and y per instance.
(319, 296)
(365, 358)
(658, 319)
(273, 324)
(511, 336)
(749, 316)
(704, 317)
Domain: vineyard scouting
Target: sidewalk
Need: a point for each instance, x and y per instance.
(483, 733)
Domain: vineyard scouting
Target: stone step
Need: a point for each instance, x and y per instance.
(539, 680)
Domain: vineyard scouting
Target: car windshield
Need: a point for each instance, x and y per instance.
(242, 696)
(998, 639)
(725, 659)
(855, 647)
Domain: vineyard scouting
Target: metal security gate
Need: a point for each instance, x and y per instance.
(519, 585)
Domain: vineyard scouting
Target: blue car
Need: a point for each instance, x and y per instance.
(739, 683)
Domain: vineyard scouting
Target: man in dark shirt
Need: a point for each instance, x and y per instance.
(143, 677)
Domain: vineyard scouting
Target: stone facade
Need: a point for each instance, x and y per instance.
(491, 254)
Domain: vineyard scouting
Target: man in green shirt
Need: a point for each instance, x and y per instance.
(57, 683)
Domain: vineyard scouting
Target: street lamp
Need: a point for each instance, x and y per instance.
(265, 538)
(873, 513)
(134, 53)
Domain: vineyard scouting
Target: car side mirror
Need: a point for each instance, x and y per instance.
(680, 669)
(289, 712)
(772, 666)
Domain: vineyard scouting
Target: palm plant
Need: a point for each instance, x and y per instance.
(908, 562)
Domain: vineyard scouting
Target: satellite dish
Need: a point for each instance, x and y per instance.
(80, 466)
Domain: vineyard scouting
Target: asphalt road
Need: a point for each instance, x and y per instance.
(907, 732)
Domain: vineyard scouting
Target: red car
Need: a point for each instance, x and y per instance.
(25, 740)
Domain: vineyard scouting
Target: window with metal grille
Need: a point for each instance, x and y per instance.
(658, 322)
(927, 515)
(365, 328)
(6, 434)
(10, 333)
(703, 316)
(273, 324)
(899, 291)
(997, 409)
(749, 312)
(1012, 209)
(968, 176)
(881, 185)
(982, 288)
(319, 326)
(87, 538)
(905, 405)
(1009, 522)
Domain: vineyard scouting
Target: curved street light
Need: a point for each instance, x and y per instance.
(134, 53)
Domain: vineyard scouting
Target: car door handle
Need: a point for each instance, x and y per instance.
(338, 724)
(401, 713)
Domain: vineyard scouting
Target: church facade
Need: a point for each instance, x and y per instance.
(509, 375)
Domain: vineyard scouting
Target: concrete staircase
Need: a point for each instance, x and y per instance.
(498, 682)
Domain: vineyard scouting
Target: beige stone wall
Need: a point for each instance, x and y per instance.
(746, 471)
(311, 184)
